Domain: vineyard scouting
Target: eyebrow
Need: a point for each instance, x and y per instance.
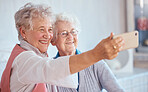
(67, 30)
(41, 27)
(44, 27)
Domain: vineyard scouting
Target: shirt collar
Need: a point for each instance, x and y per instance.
(77, 52)
(25, 45)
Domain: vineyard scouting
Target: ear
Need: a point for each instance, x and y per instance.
(22, 32)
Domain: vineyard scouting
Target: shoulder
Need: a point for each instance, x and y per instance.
(100, 64)
(26, 54)
(101, 67)
(97, 67)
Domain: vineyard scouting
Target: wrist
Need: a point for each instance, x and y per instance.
(95, 55)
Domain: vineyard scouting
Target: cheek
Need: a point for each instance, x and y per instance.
(76, 41)
(58, 41)
(38, 36)
(35, 38)
(62, 42)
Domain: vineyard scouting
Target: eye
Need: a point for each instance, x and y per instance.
(50, 30)
(41, 30)
(74, 32)
(64, 33)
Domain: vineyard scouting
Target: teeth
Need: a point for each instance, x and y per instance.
(69, 42)
(44, 42)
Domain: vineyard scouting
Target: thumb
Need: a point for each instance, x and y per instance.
(111, 35)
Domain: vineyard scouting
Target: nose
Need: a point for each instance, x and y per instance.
(70, 35)
(48, 35)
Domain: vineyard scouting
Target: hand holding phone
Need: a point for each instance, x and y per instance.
(131, 39)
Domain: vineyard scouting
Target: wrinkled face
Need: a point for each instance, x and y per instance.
(41, 35)
(66, 45)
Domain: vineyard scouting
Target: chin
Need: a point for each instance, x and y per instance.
(71, 50)
(43, 50)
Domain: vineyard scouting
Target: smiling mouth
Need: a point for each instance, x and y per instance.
(69, 42)
(43, 42)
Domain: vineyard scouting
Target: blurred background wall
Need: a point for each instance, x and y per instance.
(98, 19)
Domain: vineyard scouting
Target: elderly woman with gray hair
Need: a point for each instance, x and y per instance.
(92, 79)
(29, 69)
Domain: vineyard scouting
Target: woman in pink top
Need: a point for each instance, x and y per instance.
(30, 70)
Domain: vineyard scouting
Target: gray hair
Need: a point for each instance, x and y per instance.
(68, 18)
(24, 16)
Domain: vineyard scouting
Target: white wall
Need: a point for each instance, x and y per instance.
(98, 18)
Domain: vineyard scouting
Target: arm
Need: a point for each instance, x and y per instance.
(29, 68)
(104, 50)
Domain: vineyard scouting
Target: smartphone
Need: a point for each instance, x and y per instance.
(131, 39)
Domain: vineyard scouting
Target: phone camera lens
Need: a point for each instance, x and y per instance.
(135, 34)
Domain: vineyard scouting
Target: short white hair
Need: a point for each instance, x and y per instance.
(24, 16)
(68, 18)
